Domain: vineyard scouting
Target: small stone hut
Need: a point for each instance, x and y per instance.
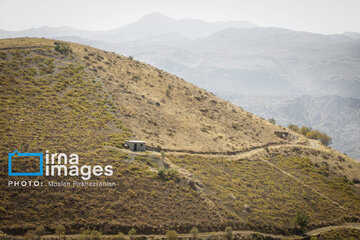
(135, 145)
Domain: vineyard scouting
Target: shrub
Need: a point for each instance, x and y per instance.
(228, 233)
(302, 219)
(194, 231)
(131, 57)
(132, 232)
(63, 48)
(162, 155)
(304, 130)
(60, 230)
(272, 120)
(293, 127)
(168, 93)
(39, 231)
(322, 137)
(172, 235)
(325, 139)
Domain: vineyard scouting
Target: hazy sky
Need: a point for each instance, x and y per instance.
(323, 16)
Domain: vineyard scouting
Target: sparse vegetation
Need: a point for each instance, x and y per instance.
(254, 181)
(69, 110)
(54, 102)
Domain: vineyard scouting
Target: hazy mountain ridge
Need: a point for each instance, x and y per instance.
(151, 25)
(257, 58)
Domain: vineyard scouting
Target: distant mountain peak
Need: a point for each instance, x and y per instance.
(153, 15)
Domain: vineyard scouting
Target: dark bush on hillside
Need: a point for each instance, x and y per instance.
(302, 219)
(356, 181)
(63, 48)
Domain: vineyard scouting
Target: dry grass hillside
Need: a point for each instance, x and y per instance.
(223, 165)
(167, 111)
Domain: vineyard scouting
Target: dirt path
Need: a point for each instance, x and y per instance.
(329, 228)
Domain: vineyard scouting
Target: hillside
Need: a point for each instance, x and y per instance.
(224, 166)
(335, 115)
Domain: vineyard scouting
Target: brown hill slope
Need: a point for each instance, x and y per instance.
(90, 101)
(169, 112)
